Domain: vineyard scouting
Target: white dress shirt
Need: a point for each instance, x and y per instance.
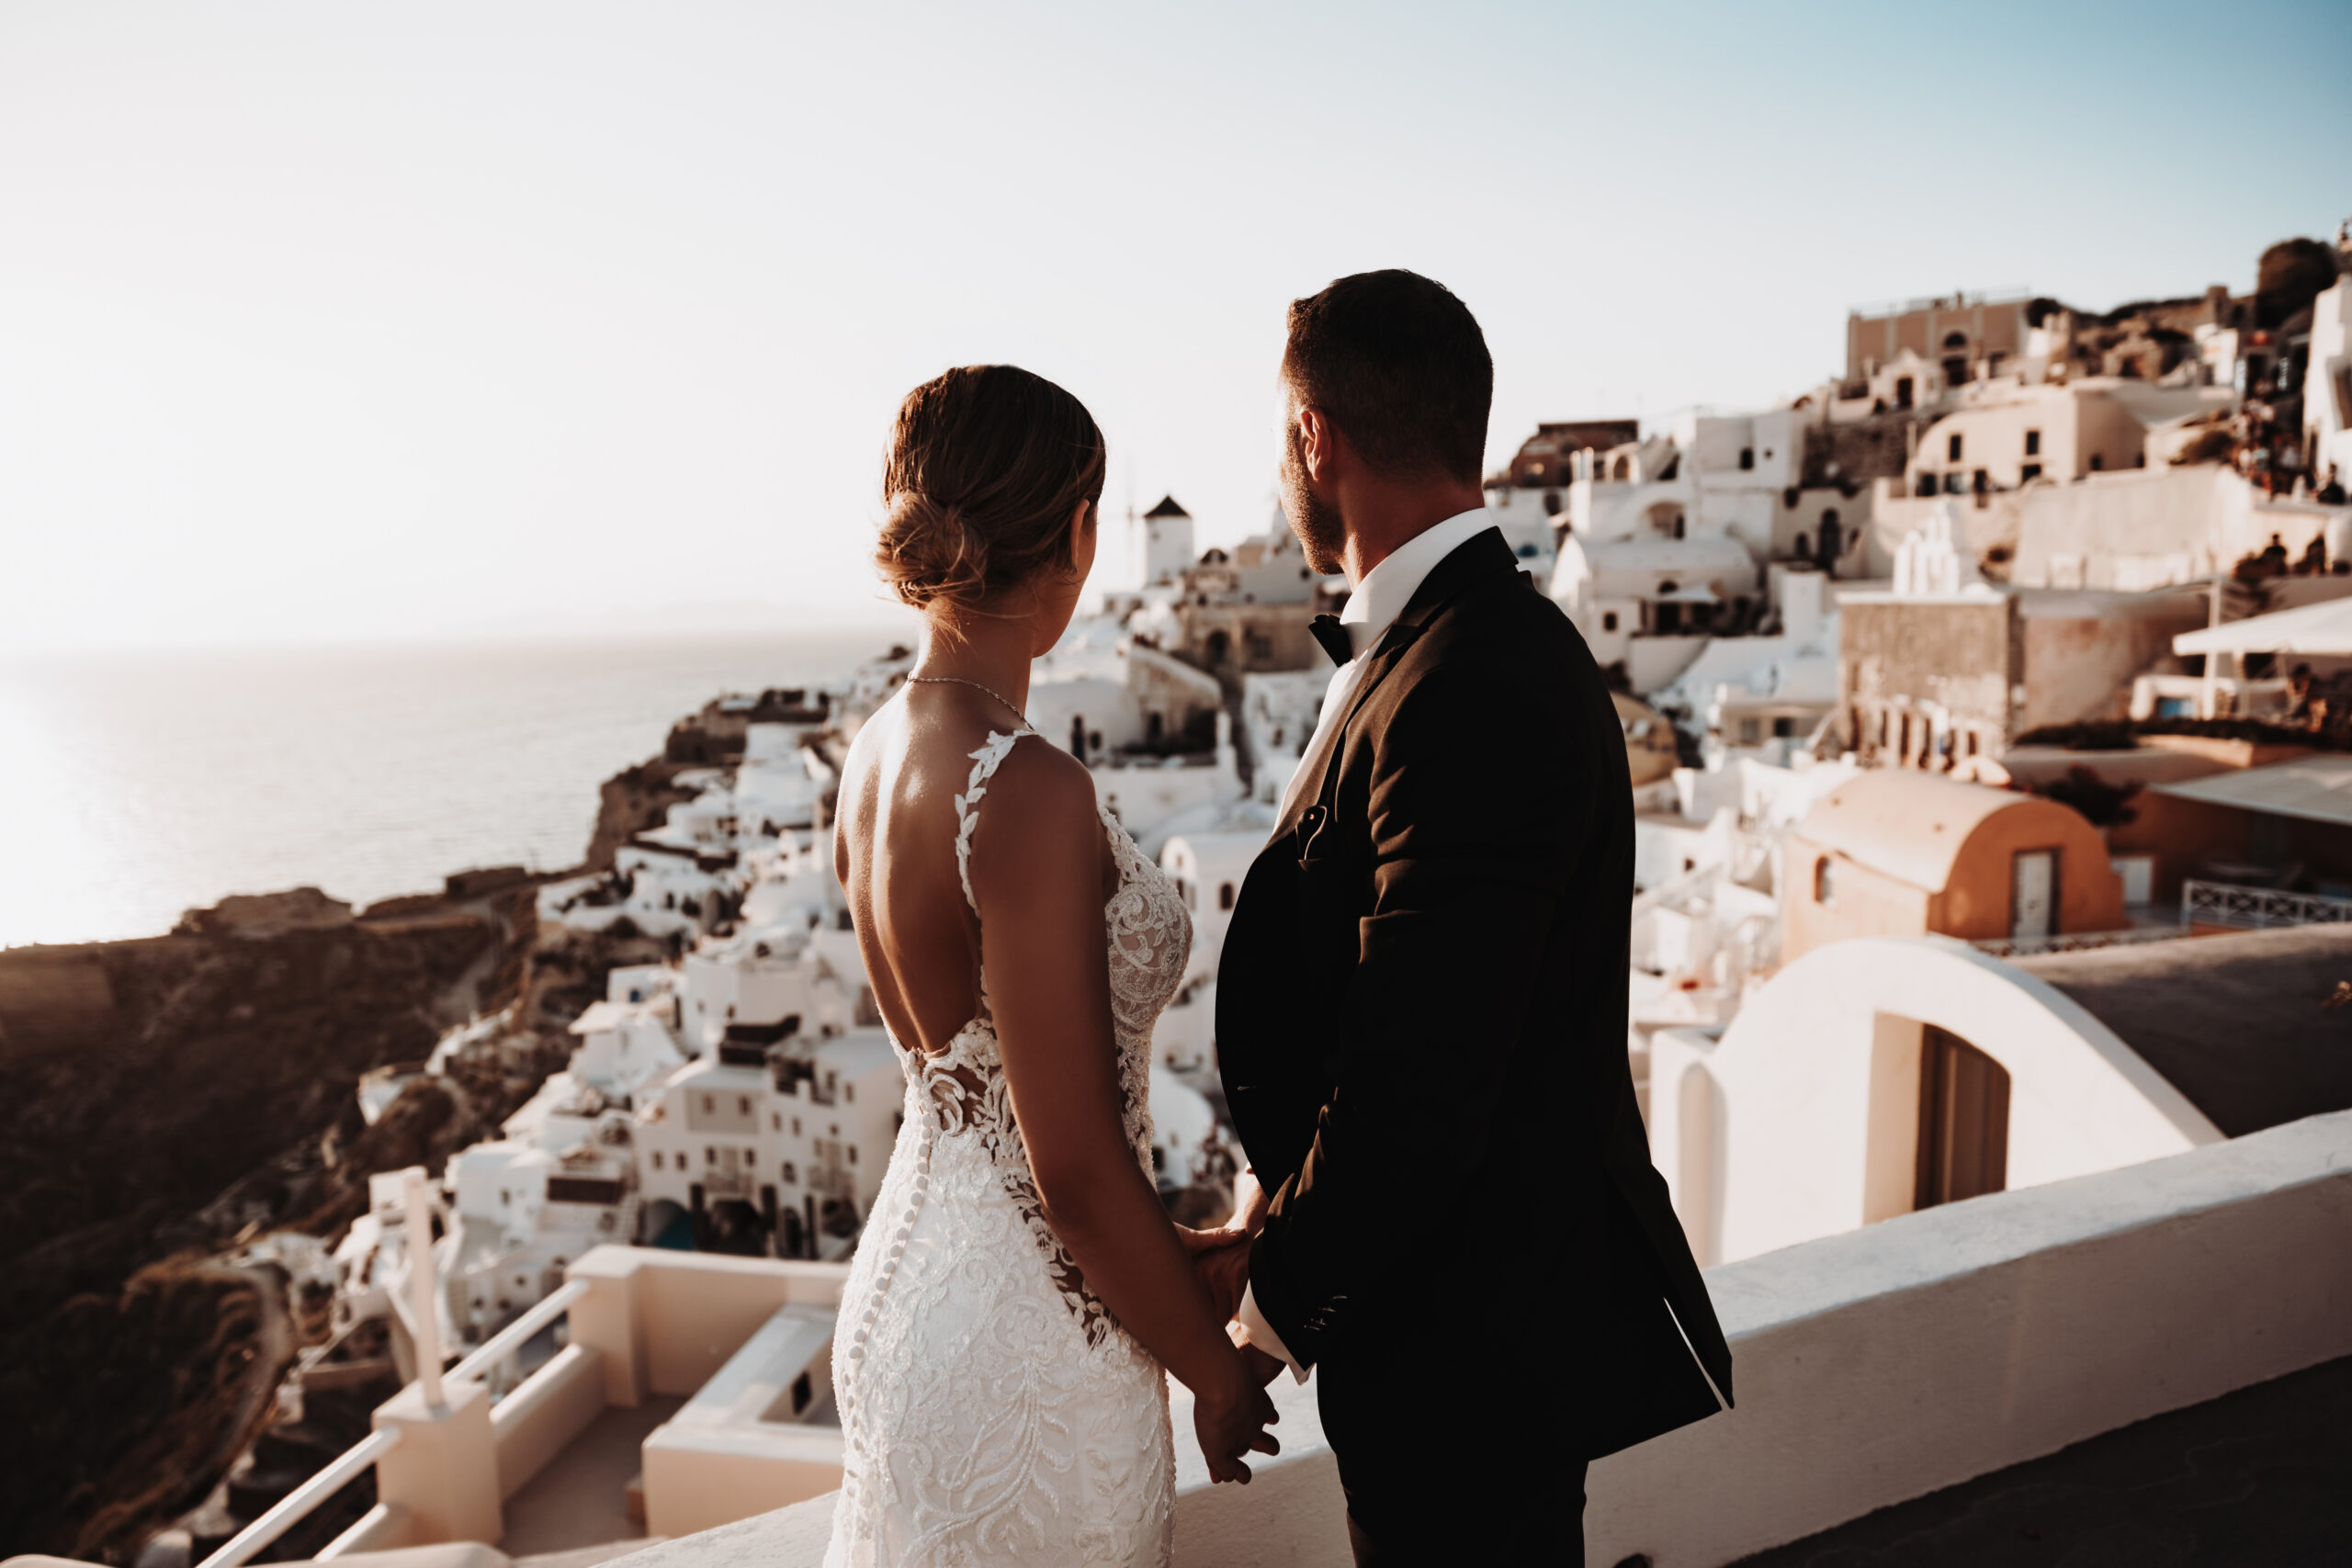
(1374, 607)
(1371, 610)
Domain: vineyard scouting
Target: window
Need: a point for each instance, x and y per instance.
(1225, 895)
(802, 1393)
(708, 1104)
(775, 1121)
(1609, 621)
(1752, 730)
(1805, 543)
(2033, 443)
(1551, 503)
(742, 1105)
(790, 1174)
(2028, 473)
(709, 1155)
(1954, 482)
(1746, 458)
(1824, 888)
(1927, 484)
(1951, 449)
(582, 1189)
(2097, 462)
(849, 1093)
(796, 1126)
(852, 1154)
(1784, 729)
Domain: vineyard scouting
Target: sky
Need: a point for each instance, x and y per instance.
(352, 321)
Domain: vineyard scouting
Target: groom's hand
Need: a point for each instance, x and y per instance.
(1263, 1366)
(1225, 1273)
(1221, 1257)
(1251, 1200)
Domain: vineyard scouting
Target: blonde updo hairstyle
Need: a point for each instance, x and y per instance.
(987, 464)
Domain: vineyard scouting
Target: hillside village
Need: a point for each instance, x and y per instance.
(1986, 706)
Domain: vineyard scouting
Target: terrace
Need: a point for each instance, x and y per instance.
(2033, 1363)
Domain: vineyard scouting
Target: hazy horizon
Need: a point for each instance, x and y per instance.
(387, 324)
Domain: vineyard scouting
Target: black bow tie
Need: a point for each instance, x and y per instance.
(1333, 637)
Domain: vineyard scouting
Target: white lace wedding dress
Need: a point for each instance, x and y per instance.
(992, 1410)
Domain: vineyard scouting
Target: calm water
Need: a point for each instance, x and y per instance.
(135, 786)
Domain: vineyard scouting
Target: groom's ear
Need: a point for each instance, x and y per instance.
(1319, 442)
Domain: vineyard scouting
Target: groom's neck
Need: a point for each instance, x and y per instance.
(1378, 515)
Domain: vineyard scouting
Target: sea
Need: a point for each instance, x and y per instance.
(134, 786)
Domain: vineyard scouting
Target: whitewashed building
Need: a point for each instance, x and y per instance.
(796, 1135)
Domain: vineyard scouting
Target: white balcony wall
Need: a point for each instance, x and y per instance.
(1874, 1367)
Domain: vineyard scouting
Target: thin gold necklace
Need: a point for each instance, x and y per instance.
(958, 679)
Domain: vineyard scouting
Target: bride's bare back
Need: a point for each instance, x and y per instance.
(894, 848)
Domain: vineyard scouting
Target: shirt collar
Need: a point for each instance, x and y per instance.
(1387, 588)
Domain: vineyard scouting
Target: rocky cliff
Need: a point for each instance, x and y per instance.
(163, 1097)
(141, 1080)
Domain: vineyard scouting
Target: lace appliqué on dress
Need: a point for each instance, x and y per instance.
(993, 1411)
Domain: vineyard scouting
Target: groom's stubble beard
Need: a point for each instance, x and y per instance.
(1321, 535)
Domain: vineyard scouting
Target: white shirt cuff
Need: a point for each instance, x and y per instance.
(1255, 1329)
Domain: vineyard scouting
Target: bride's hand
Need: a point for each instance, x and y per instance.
(1231, 1421)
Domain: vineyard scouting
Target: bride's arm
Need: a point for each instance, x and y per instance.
(1037, 860)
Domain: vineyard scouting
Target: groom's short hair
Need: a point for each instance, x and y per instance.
(1399, 366)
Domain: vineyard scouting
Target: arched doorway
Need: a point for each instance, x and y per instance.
(1964, 1120)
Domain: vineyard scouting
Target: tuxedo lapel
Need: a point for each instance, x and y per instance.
(1473, 558)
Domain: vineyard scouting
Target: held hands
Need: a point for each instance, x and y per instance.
(1230, 1418)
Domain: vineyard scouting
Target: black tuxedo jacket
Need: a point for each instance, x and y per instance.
(1421, 1029)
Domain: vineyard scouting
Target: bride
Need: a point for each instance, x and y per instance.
(1019, 1287)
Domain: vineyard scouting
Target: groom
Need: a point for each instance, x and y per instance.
(1421, 999)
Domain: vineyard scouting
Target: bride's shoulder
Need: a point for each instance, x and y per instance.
(1037, 778)
(1038, 826)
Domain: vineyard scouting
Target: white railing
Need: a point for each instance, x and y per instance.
(296, 1505)
(423, 1320)
(2072, 941)
(2257, 909)
(496, 1349)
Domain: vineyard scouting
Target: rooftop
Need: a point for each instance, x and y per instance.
(2239, 1024)
(2315, 789)
(1908, 824)
(2263, 1474)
